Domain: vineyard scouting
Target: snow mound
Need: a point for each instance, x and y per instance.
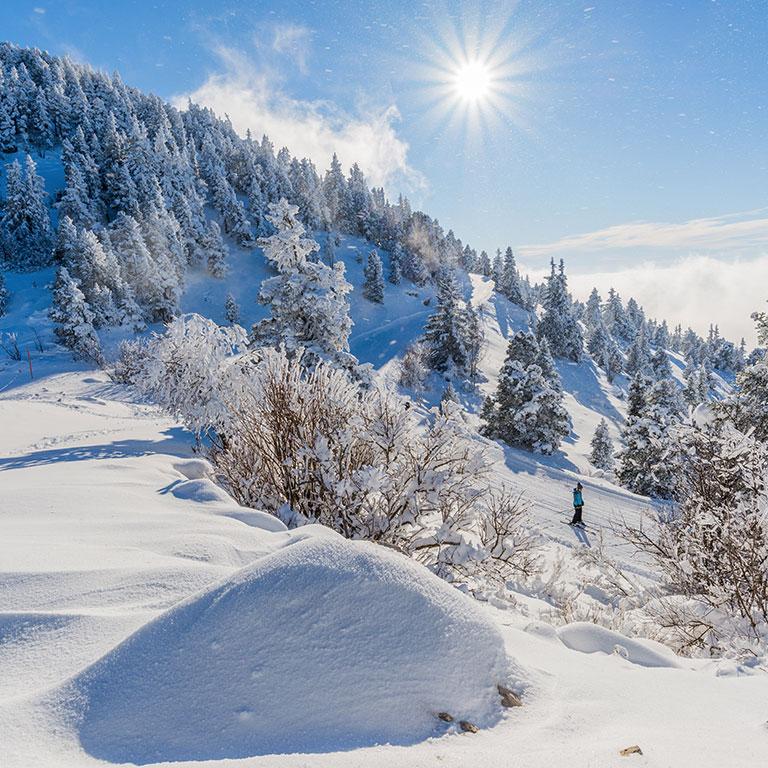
(204, 491)
(323, 645)
(590, 638)
(194, 469)
(201, 490)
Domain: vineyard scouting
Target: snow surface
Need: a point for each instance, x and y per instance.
(321, 646)
(113, 535)
(95, 546)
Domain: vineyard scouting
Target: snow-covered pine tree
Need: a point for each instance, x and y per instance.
(661, 339)
(747, 407)
(660, 364)
(526, 410)
(413, 371)
(474, 339)
(484, 264)
(696, 384)
(413, 267)
(593, 313)
(395, 274)
(510, 279)
(73, 319)
(602, 447)
(373, 286)
(616, 319)
(604, 351)
(216, 251)
(307, 300)
(558, 324)
(444, 335)
(449, 394)
(646, 463)
(497, 270)
(231, 310)
(5, 295)
(25, 227)
(638, 355)
(635, 314)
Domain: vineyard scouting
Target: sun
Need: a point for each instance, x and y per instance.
(475, 73)
(473, 81)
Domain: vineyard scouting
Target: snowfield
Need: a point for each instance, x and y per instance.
(145, 617)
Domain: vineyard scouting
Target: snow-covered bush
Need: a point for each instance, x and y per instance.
(185, 370)
(310, 444)
(713, 549)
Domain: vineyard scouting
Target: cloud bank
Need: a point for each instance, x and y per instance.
(742, 232)
(694, 291)
(253, 99)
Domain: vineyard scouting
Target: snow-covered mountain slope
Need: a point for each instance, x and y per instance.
(107, 521)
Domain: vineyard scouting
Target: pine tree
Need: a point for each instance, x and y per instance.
(526, 410)
(449, 394)
(413, 371)
(231, 310)
(484, 264)
(604, 351)
(74, 319)
(696, 387)
(602, 447)
(216, 251)
(660, 365)
(307, 300)
(646, 466)
(497, 270)
(593, 314)
(444, 334)
(5, 295)
(395, 261)
(25, 228)
(558, 324)
(639, 355)
(474, 339)
(616, 319)
(510, 279)
(373, 287)
(661, 338)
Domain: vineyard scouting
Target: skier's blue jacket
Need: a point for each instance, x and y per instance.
(578, 501)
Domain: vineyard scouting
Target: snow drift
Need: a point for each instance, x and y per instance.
(323, 645)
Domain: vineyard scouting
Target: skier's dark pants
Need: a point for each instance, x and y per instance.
(577, 514)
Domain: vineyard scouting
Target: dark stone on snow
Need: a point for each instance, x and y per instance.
(465, 725)
(508, 697)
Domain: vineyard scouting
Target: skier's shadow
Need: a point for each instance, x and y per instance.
(581, 535)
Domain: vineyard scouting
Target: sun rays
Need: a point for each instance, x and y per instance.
(474, 76)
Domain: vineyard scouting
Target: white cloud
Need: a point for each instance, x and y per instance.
(694, 291)
(743, 232)
(315, 129)
(39, 11)
(293, 40)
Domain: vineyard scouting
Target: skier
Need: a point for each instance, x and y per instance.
(578, 505)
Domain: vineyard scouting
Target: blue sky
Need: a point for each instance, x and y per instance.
(629, 134)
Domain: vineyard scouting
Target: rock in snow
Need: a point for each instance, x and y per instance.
(323, 645)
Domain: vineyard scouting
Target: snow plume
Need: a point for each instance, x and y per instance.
(253, 98)
(694, 291)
